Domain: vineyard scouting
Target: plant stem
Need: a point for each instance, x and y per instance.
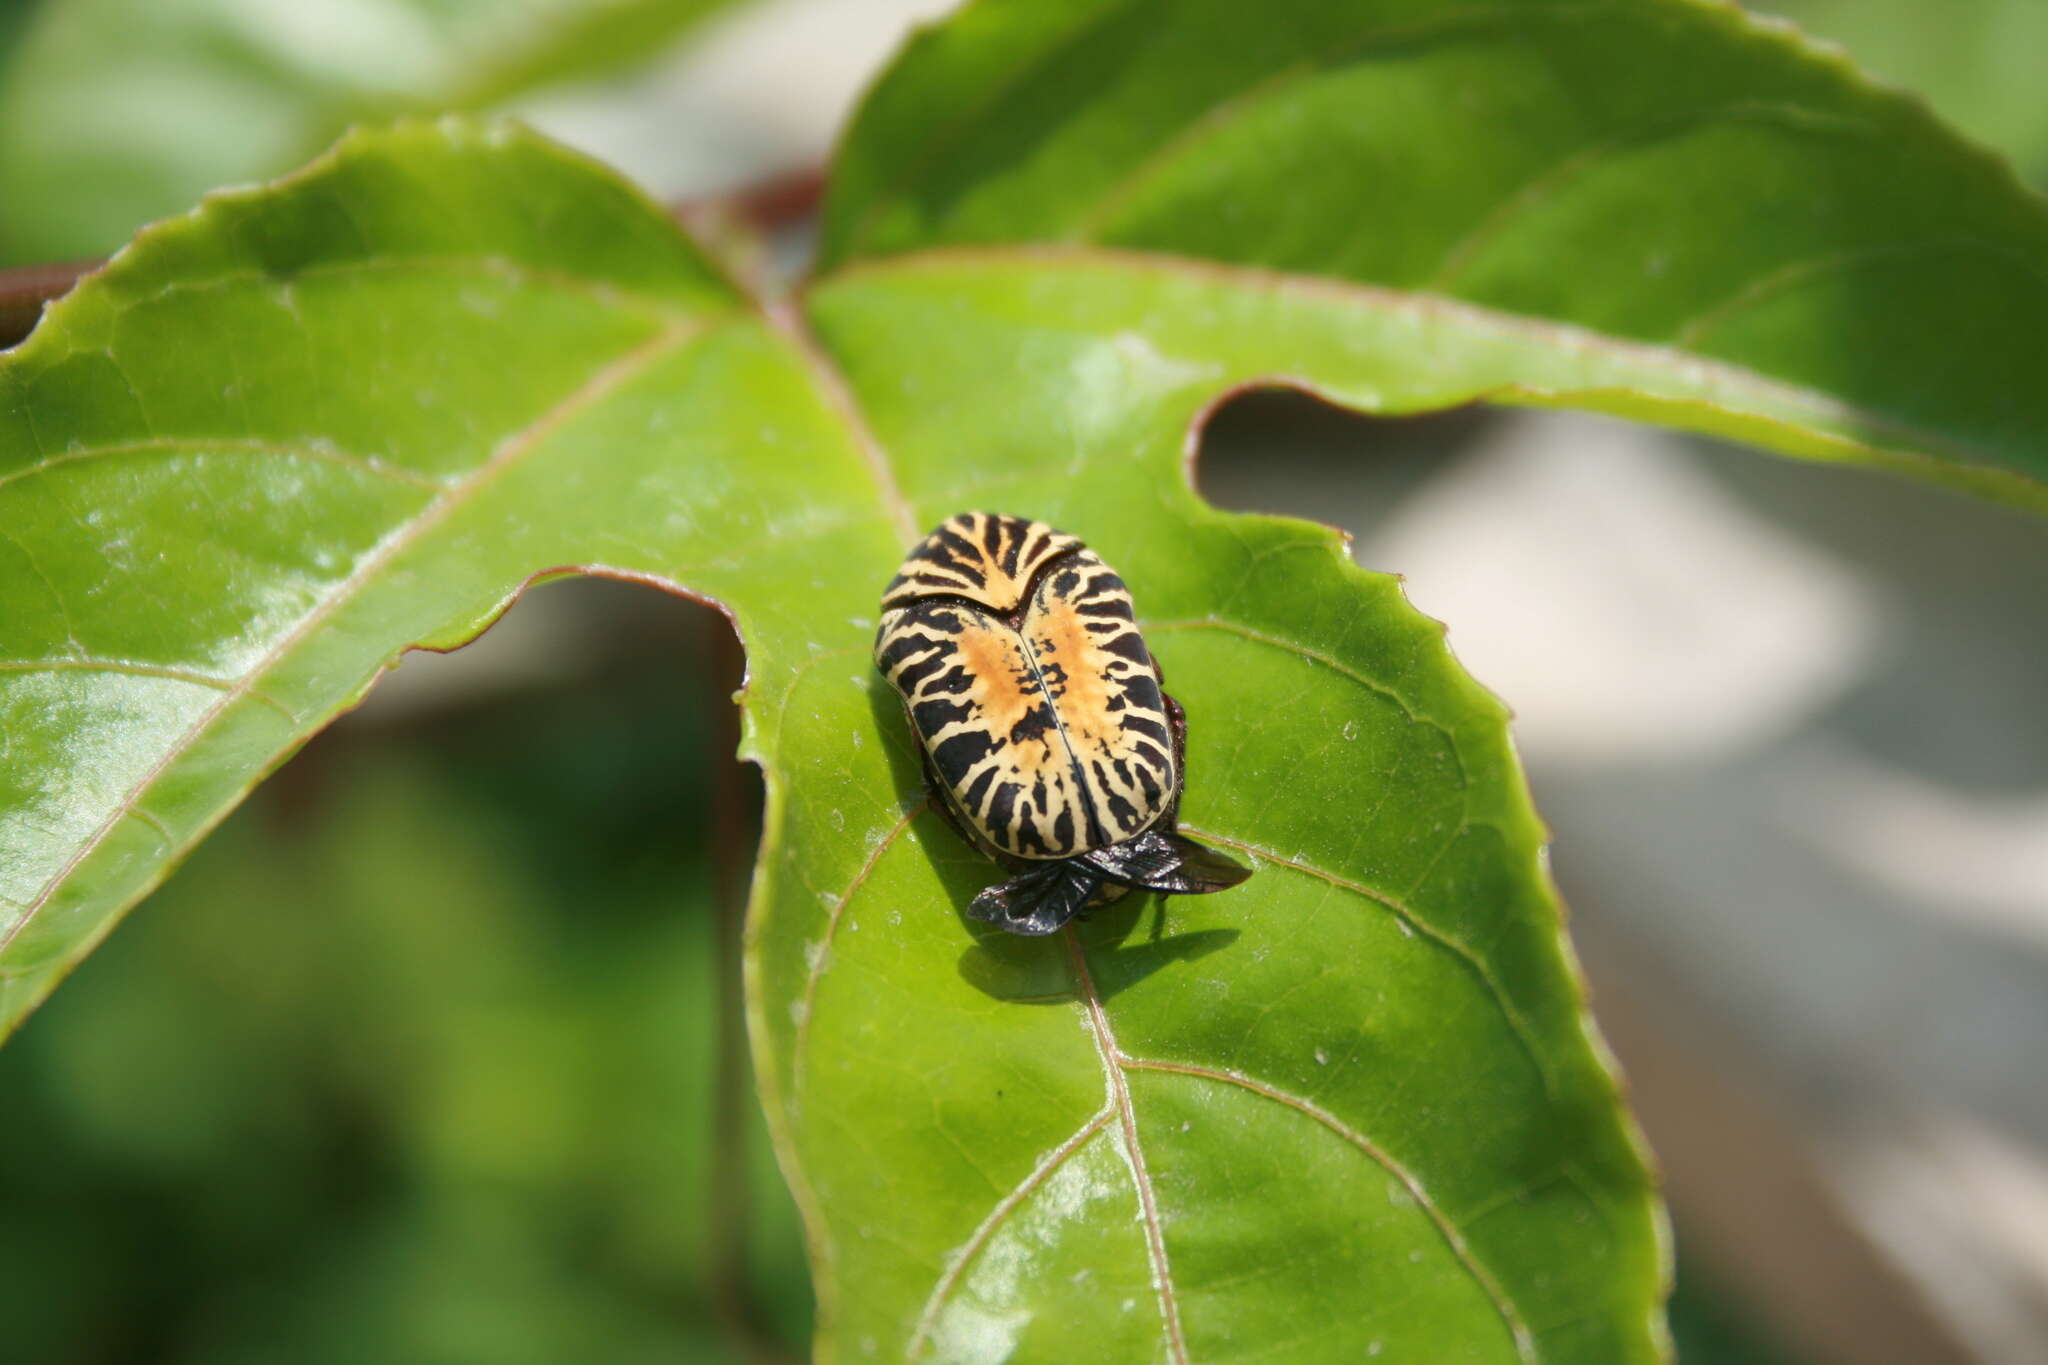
(25, 289)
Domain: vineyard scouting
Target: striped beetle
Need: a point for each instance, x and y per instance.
(1048, 742)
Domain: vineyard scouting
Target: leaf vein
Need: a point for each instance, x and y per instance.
(1525, 1342)
(1134, 1152)
(600, 291)
(83, 663)
(957, 1264)
(1401, 910)
(508, 452)
(1240, 105)
(56, 597)
(838, 394)
(1328, 661)
(1713, 377)
(799, 1045)
(1795, 273)
(1490, 226)
(226, 445)
(943, 138)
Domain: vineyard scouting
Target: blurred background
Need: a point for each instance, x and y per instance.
(415, 1060)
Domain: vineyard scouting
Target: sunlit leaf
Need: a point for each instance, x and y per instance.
(1661, 210)
(283, 439)
(1349, 1107)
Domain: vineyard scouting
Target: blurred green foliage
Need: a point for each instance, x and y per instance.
(413, 1061)
(114, 113)
(1711, 1326)
(1978, 62)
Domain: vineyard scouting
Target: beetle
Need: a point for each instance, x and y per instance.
(1048, 741)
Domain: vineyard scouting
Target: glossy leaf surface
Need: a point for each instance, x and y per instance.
(283, 439)
(115, 112)
(1318, 1037)
(1691, 216)
(1351, 1104)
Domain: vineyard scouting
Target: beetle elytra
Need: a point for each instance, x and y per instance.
(1048, 741)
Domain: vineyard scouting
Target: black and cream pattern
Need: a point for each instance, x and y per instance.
(1039, 709)
(986, 560)
(1017, 651)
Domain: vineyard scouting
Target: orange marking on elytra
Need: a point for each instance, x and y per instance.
(1061, 640)
(1003, 688)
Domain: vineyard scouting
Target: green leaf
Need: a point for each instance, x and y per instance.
(1380, 1021)
(116, 112)
(1663, 210)
(283, 438)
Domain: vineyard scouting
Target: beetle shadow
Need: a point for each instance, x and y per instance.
(906, 769)
(1012, 967)
(1039, 971)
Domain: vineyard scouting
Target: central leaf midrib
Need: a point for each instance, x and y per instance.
(1520, 1335)
(1127, 1117)
(787, 319)
(1468, 1261)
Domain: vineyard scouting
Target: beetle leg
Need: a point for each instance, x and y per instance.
(935, 793)
(1177, 720)
(1036, 902)
(1167, 863)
